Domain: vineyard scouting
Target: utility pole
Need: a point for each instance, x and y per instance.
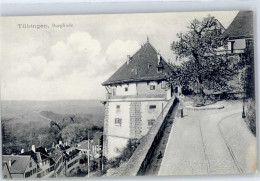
(88, 156)
(162, 111)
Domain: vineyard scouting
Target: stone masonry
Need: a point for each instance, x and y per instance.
(135, 120)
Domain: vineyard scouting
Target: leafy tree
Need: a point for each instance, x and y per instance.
(203, 67)
(249, 72)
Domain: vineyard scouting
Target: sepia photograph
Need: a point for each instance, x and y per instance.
(138, 94)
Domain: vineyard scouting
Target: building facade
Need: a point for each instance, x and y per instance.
(136, 94)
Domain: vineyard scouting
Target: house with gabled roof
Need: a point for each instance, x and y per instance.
(240, 32)
(44, 161)
(136, 94)
(19, 166)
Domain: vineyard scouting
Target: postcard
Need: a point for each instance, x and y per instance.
(128, 95)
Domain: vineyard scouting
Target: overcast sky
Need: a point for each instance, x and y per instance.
(71, 63)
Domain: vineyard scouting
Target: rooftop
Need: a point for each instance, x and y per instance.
(142, 66)
(241, 26)
(18, 162)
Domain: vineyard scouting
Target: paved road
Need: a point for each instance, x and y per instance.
(199, 143)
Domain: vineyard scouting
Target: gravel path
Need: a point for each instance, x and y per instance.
(206, 142)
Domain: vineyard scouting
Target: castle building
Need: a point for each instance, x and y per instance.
(136, 94)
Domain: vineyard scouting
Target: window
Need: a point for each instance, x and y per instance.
(163, 85)
(149, 65)
(126, 89)
(27, 174)
(152, 87)
(118, 122)
(117, 108)
(30, 164)
(152, 107)
(159, 69)
(232, 46)
(150, 122)
(249, 42)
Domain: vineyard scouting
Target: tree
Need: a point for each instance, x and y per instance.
(203, 67)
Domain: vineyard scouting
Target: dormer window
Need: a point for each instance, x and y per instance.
(149, 66)
(152, 87)
(159, 69)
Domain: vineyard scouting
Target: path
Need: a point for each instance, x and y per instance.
(200, 143)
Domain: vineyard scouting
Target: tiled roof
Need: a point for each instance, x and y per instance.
(141, 67)
(241, 26)
(19, 162)
(39, 154)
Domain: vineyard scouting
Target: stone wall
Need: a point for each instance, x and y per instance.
(135, 120)
(144, 152)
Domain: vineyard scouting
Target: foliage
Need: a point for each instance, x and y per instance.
(203, 67)
(251, 115)
(125, 154)
(21, 135)
(250, 73)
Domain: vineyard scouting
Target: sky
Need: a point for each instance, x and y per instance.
(72, 62)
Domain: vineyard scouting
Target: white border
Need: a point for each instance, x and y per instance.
(62, 7)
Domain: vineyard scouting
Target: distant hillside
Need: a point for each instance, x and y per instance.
(46, 122)
(65, 119)
(14, 108)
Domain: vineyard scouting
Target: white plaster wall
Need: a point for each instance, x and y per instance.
(115, 146)
(150, 113)
(144, 89)
(239, 44)
(124, 114)
(120, 89)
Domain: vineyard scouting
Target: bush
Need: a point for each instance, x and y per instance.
(125, 155)
(251, 115)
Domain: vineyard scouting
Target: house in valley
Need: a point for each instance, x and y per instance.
(136, 94)
(19, 166)
(44, 161)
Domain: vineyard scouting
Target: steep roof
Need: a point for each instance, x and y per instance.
(39, 154)
(18, 162)
(141, 67)
(241, 26)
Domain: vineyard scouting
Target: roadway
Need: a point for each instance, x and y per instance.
(210, 142)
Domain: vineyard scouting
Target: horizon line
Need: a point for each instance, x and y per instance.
(49, 100)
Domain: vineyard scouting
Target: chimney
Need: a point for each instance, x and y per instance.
(60, 142)
(33, 148)
(158, 58)
(128, 59)
(22, 150)
(10, 163)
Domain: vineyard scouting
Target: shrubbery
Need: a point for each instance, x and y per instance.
(125, 155)
(251, 115)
